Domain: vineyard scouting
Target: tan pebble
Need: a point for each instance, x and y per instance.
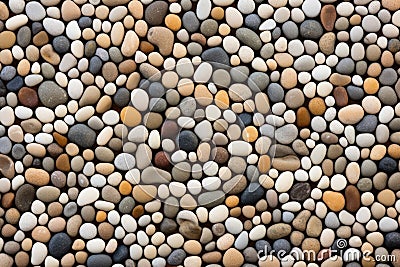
(102, 12)
(224, 29)
(192, 247)
(339, 79)
(141, 28)
(136, 9)
(387, 59)
(117, 34)
(284, 60)
(327, 43)
(23, 67)
(41, 234)
(37, 177)
(374, 69)
(68, 260)
(130, 116)
(376, 239)
(212, 257)
(387, 197)
(232, 257)
(133, 81)
(317, 106)
(203, 95)
(127, 66)
(57, 224)
(392, 5)
(105, 168)
(103, 40)
(4, 13)
(78, 244)
(155, 59)
(50, 55)
(81, 257)
(129, 22)
(222, 99)
(288, 78)
(351, 114)
(41, 38)
(70, 11)
(7, 39)
(104, 104)
(225, 241)
(287, 163)
(355, 20)
(378, 152)
(311, 244)
(88, 34)
(144, 193)
(130, 44)
(110, 72)
(163, 38)
(394, 151)
(37, 150)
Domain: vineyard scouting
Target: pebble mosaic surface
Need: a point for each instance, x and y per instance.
(199, 133)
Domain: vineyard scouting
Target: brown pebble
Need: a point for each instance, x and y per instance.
(352, 196)
(317, 106)
(328, 17)
(303, 117)
(62, 163)
(28, 97)
(106, 231)
(340, 95)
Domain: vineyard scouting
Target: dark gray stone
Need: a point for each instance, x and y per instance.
(190, 21)
(176, 257)
(59, 245)
(82, 135)
(311, 29)
(216, 54)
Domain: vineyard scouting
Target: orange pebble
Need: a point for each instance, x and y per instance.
(222, 99)
(317, 106)
(232, 201)
(173, 22)
(250, 134)
(371, 85)
(217, 13)
(125, 188)
(394, 151)
(101, 216)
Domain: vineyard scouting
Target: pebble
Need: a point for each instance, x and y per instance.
(153, 133)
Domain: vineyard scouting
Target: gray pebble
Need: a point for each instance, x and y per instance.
(190, 21)
(345, 66)
(275, 92)
(249, 38)
(52, 95)
(5, 145)
(388, 77)
(290, 30)
(216, 54)
(311, 29)
(82, 135)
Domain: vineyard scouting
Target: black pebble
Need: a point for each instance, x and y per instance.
(59, 245)
(188, 141)
(252, 194)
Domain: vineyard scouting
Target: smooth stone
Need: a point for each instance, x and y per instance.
(311, 29)
(249, 37)
(51, 95)
(286, 134)
(215, 54)
(82, 135)
(59, 245)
